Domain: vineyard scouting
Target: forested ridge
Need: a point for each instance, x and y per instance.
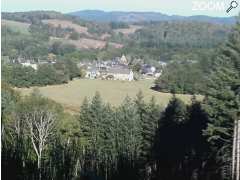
(138, 139)
(153, 40)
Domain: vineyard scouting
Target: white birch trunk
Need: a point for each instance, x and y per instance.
(238, 152)
(234, 150)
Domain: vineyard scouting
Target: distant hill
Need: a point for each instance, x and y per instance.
(118, 16)
(38, 33)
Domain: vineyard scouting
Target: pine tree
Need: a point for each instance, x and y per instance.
(197, 147)
(222, 100)
(169, 145)
(149, 126)
(90, 126)
(141, 110)
(96, 115)
(85, 126)
(128, 138)
(108, 138)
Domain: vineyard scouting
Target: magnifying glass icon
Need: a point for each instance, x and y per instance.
(233, 5)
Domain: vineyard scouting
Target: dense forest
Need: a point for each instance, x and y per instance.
(137, 140)
(46, 74)
(192, 76)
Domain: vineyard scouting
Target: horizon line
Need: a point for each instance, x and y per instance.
(112, 11)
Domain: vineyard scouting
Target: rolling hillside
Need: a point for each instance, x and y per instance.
(16, 26)
(61, 34)
(60, 27)
(102, 16)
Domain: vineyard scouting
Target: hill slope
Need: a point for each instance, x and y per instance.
(102, 16)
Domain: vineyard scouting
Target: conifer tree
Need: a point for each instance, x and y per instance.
(169, 146)
(108, 138)
(197, 147)
(85, 125)
(222, 100)
(149, 126)
(128, 137)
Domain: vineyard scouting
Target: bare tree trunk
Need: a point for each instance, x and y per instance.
(40, 124)
(238, 151)
(77, 166)
(39, 162)
(234, 150)
(39, 165)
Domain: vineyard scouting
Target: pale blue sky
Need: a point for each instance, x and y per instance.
(183, 7)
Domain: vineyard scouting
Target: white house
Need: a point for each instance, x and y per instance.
(121, 73)
(29, 64)
(148, 70)
(92, 72)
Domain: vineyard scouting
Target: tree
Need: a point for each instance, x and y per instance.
(74, 36)
(198, 150)
(74, 71)
(128, 139)
(222, 101)
(169, 145)
(149, 127)
(86, 130)
(40, 118)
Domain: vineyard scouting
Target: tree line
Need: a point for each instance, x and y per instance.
(137, 140)
(60, 72)
(196, 75)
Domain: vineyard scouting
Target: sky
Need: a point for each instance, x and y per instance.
(170, 7)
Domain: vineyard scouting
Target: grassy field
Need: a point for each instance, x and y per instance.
(72, 94)
(17, 26)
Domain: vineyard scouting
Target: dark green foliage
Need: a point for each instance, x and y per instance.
(97, 28)
(35, 45)
(149, 126)
(186, 77)
(119, 25)
(39, 31)
(33, 17)
(222, 102)
(182, 154)
(46, 74)
(133, 141)
(173, 34)
(169, 152)
(114, 139)
(18, 76)
(60, 48)
(74, 36)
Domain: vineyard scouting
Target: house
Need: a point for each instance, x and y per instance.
(148, 70)
(162, 63)
(92, 72)
(28, 63)
(120, 73)
(117, 72)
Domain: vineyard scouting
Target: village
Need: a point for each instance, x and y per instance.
(118, 68)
